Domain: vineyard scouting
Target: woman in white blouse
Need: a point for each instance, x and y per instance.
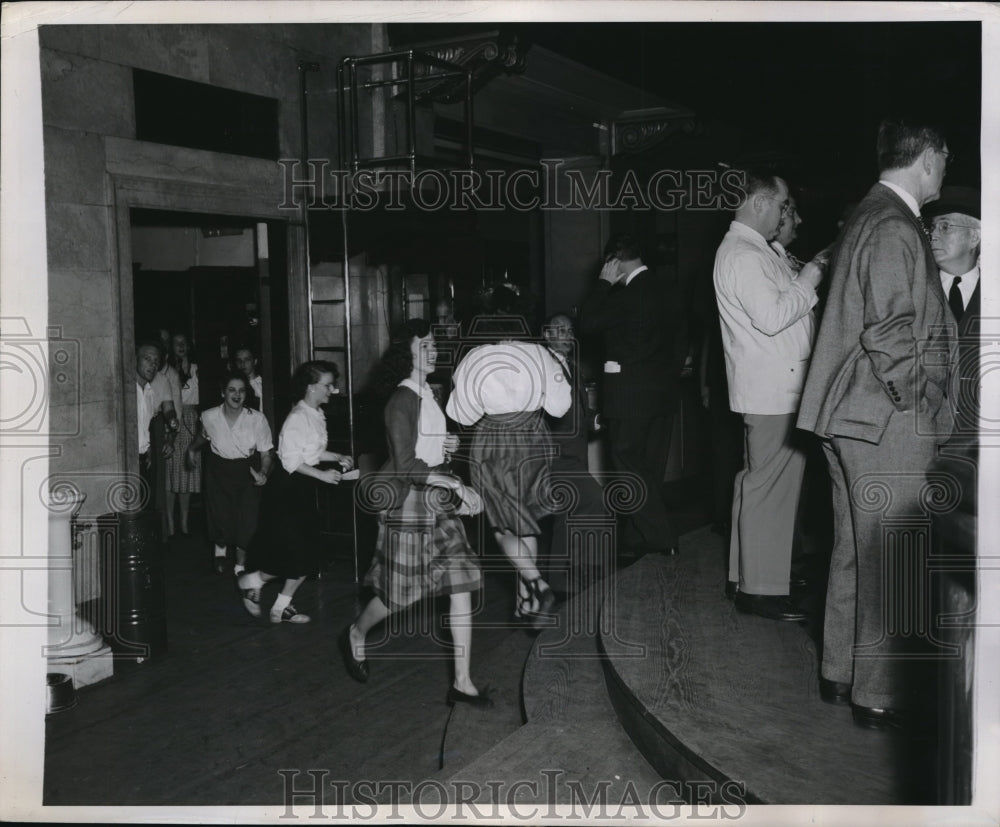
(287, 544)
(236, 469)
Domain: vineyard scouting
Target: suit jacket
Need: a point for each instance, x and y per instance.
(887, 339)
(766, 323)
(633, 321)
(965, 387)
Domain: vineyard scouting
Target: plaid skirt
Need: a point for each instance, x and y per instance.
(179, 479)
(421, 551)
(510, 460)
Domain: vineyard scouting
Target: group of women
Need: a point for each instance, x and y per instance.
(267, 508)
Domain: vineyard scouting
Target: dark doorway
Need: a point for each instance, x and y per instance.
(223, 281)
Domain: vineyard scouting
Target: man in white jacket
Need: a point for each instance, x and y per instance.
(767, 334)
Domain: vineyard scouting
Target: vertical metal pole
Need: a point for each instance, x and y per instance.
(411, 116)
(356, 138)
(304, 68)
(346, 271)
(468, 118)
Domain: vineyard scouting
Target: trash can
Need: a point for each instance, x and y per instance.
(133, 592)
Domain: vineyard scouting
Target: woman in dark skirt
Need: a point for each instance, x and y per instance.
(287, 544)
(422, 550)
(238, 436)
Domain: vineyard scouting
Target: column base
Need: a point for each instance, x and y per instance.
(85, 669)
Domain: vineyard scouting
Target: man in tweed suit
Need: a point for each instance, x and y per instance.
(877, 393)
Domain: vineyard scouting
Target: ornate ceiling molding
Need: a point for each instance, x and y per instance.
(633, 132)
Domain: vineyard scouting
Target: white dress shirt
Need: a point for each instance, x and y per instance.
(641, 268)
(967, 286)
(250, 432)
(145, 402)
(911, 202)
(302, 438)
(767, 324)
(508, 378)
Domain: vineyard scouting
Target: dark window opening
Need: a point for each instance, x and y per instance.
(170, 110)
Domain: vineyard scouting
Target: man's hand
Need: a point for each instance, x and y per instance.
(611, 272)
(258, 478)
(450, 444)
(811, 275)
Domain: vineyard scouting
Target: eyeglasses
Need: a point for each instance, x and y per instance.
(785, 205)
(948, 226)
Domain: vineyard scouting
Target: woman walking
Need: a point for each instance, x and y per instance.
(503, 390)
(421, 550)
(236, 469)
(287, 545)
(182, 481)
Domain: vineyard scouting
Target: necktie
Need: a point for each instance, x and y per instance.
(955, 299)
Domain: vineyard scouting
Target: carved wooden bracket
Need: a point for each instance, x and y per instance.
(488, 55)
(637, 131)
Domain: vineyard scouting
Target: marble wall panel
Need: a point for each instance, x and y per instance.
(77, 236)
(180, 50)
(98, 437)
(79, 40)
(87, 95)
(74, 167)
(93, 378)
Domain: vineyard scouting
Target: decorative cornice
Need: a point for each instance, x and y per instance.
(634, 132)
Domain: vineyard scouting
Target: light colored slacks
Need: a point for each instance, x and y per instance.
(765, 501)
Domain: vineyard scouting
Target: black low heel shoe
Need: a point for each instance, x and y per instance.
(357, 669)
(542, 619)
(481, 701)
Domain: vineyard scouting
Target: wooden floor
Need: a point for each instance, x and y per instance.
(237, 706)
(714, 694)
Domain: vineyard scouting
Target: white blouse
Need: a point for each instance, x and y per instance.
(250, 432)
(302, 438)
(432, 427)
(508, 378)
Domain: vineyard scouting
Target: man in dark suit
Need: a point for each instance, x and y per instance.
(956, 237)
(628, 306)
(876, 392)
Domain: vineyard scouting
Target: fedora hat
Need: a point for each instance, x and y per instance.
(964, 200)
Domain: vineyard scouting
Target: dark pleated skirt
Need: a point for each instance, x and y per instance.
(421, 551)
(510, 458)
(232, 501)
(287, 543)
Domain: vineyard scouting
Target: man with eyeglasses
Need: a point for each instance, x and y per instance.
(956, 237)
(767, 333)
(876, 394)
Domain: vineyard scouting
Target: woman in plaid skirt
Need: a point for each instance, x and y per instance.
(422, 550)
(182, 480)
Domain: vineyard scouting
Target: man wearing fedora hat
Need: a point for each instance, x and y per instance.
(956, 237)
